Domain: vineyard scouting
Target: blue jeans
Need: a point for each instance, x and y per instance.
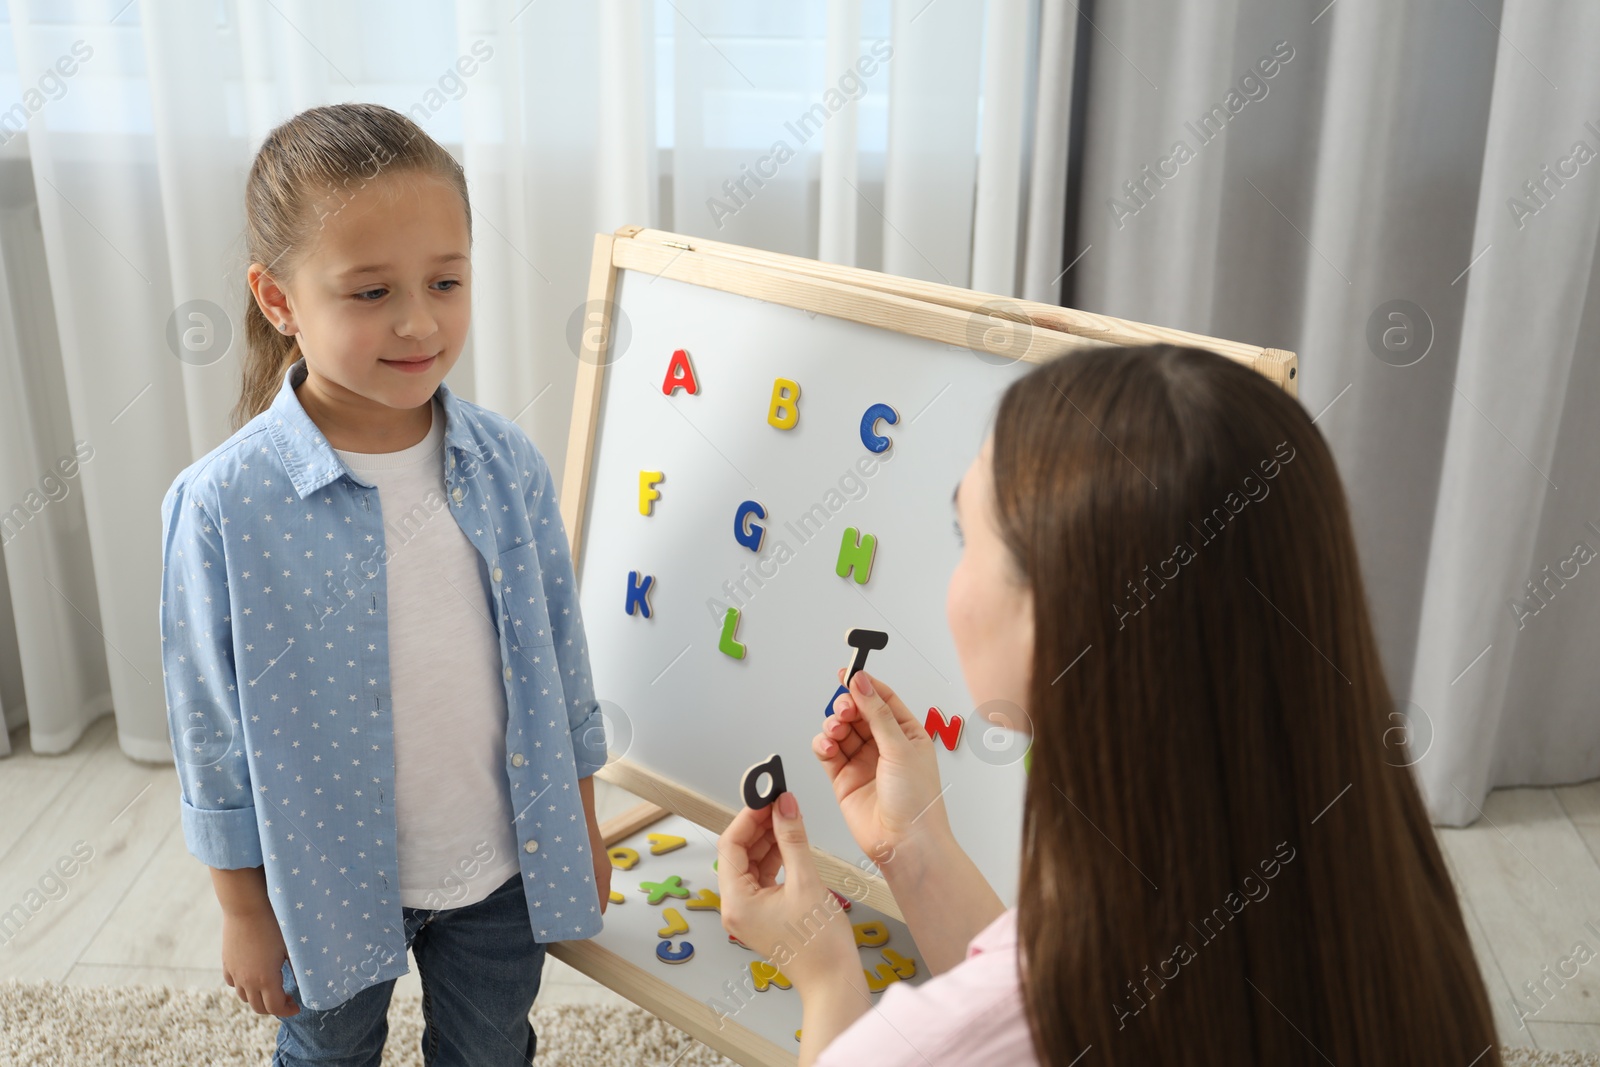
(480, 968)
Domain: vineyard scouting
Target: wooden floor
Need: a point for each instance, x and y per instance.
(142, 911)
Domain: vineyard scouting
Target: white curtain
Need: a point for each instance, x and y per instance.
(917, 143)
(1336, 212)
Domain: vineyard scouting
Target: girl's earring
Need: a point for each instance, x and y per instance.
(283, 326)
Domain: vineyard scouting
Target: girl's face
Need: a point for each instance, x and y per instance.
(382, 301)
(989, 607)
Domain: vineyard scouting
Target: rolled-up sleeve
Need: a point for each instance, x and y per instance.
(584, 719)
(197, 669)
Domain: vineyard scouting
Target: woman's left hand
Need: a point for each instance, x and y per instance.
(797, 925)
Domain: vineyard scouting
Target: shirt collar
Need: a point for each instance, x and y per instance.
(312, 462)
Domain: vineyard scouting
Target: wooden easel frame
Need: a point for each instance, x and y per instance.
(928, 310)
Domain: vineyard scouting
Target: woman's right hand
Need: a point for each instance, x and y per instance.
(883, 768)
(252, 960)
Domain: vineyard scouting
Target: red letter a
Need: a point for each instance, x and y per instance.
(680, 375)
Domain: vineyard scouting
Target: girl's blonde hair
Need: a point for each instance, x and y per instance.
(306, 170)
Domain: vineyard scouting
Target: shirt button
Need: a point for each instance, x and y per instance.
(497, 574)
(455, 494)
(531, 846)
(517, 760)
(508, 674)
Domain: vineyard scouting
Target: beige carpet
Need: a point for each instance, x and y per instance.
(53, 1025)
(50, 1025)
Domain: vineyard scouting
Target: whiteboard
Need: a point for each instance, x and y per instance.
(677, 706)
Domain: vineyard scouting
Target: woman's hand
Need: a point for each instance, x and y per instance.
(252, 960)
(883, 768)
(768, 916)
(886, 777)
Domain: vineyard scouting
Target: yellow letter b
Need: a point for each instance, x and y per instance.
(785, 409)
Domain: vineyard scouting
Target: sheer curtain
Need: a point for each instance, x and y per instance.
(914, 142)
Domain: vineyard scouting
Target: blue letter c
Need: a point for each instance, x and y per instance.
(869, 425)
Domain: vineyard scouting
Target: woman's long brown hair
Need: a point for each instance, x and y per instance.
(1223, 863)
(307, 169)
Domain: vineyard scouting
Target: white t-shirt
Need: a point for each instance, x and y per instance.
(452, 799)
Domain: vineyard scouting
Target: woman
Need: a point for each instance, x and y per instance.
(1219, 866)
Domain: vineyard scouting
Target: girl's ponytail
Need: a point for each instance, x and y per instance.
(268, 353)
(307, 169)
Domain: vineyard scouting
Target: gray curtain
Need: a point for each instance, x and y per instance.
(1407, 195)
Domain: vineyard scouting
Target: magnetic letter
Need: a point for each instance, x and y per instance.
(765, 974)
(749, 784)
(664, 843)
(667, 954)
(622, 858)
(903, 967)
(785, 409)
(855, 553)
(948, 732)
(871, 934)
(672, 887)
(829, 709)
(747, 533)
(705, 900)
(676, 924)
(648, 493)
(680, 375)
(863, 641)
(869, 427)
(730, 624)
(639, 593)
(878, 981)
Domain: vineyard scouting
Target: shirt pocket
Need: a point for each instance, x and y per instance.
(520, 594)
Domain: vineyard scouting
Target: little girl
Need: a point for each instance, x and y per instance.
(374, 661)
